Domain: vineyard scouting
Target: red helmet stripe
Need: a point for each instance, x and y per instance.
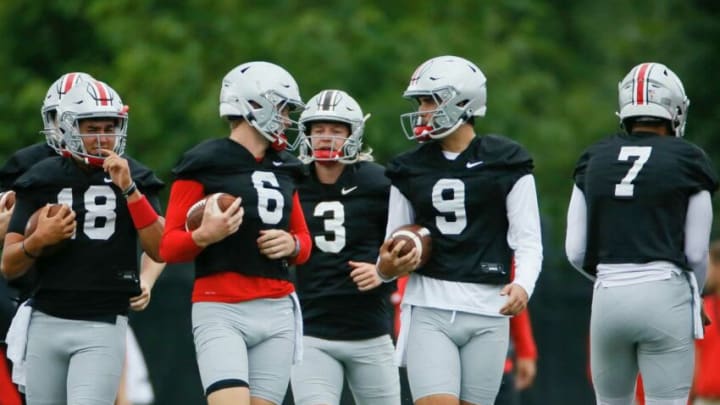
(641, 83)
(102, 93)
(69, 82)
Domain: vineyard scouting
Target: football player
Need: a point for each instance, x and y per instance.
(638, 223)
(246, 319)
(19, 289)
(20, 161)
(476, 194)
(85, 255)
(346, 308)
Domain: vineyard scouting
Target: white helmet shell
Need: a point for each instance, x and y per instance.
(652, 90)
(458, 87)
(332, 106)
(259, 92)
(48, 111)
(89, 100)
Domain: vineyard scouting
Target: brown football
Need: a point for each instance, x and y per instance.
(32, 226)
(7, 198)
(194, 216)
(415, 236)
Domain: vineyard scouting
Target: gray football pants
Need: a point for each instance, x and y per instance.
(249, 343)
(368, 365)
(456, 353)
(645, 327)
(74, 362)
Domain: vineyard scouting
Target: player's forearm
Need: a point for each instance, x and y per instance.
(18, 255)
(150, 270)
(150, 237)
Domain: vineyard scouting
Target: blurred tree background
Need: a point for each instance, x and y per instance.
(552, 68)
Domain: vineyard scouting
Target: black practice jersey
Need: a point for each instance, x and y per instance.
(347, 223)
(21, 161)
(462, 203)
(266, 188)
(96, 271)
(637, 189)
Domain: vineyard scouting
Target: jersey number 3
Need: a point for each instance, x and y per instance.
(625, 189)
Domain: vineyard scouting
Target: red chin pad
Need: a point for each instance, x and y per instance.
(326, 154)
(422, 133)
(280, 143)
(94, 161)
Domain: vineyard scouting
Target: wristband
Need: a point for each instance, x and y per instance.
(28, 254)
(128, 191)
(141, 212)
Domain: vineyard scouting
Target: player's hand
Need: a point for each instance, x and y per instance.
(55, 229)
(117, 168)
(525, 372)
(140, 302)
(517, 299)
(392, 264)
(276, 243)
(5, 213)
(364, 275)
(217, 225)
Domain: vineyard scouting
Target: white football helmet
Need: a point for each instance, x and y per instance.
(651, 90)
(93, 99)
(259, 92)
(48, 111)
(332, 106)
(458, 87)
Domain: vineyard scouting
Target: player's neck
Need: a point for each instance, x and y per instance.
(459, 140)
(251, 139)
(328, 172)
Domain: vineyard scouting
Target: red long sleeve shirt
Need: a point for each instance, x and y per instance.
(178, 246)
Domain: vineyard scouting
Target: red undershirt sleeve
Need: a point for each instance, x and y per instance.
(522, 336)
(177, 245)
(299, 229)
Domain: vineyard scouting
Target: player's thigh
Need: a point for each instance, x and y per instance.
(47, 358)
(433, 359)
(666, 353)
(482, 356)
(318, 379)
(613, 335)
(220, 348)
(95, 369)
(270, 335)
(371, 374)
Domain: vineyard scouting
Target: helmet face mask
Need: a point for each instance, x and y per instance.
(48, 110)
(332, 106)
(265, 95)
(652, 91)
(92, 101)
(459, 90)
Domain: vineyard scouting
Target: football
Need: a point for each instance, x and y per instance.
(415, 236)
(7, 200)
(32, 226)
(33, 221)
(194, 216)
